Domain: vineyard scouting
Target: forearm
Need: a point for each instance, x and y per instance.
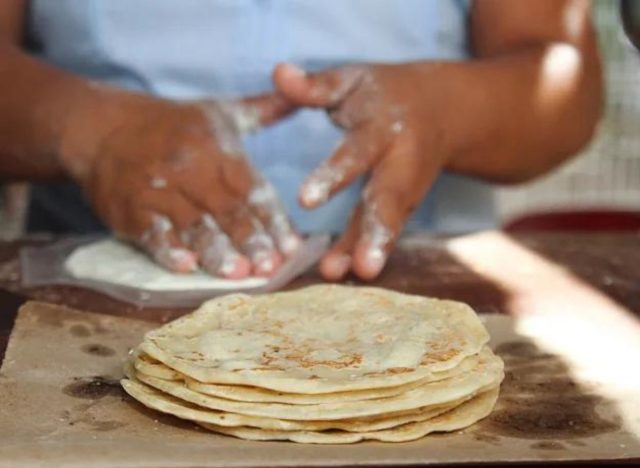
(43, 112)
(520, 115)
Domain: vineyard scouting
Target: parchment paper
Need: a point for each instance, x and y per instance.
(44, 265)
(62, 405)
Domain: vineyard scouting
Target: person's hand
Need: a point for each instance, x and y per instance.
(394, 123)
(173, 179)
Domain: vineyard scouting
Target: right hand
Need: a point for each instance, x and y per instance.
(173, 179)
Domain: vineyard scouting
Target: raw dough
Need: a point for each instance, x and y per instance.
(110, 261)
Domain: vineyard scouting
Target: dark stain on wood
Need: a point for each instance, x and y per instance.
(97, 349)
(93, 388)
(540, 400)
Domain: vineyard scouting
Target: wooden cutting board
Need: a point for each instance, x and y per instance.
(62, 404)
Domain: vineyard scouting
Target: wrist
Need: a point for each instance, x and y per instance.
(462, 97)
(81, 131)
(94, 113)
(436, 106)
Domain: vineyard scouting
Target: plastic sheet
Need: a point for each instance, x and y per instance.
(42, 266)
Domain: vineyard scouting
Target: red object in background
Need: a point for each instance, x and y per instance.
(580, 220)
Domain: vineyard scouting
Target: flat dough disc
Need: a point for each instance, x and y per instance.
(148, 367)
(487, 372)
(111, 261)
(458, 418)
(154, 399)
(319, 339)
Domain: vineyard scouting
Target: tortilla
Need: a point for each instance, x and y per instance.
(168, 404)
(488, 371)
(149, 367)
(319, 339)
(460, 417)
(323, 364)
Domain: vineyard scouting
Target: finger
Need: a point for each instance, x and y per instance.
(265, 203)
(150, 222)
(237, 175)
(324, 89)
(338, 260)
(156, 235)
(243, 182)
(170, 203)
(245, 230)
(226, 127)
(259, 247)
(216, 253)
(387, 206)
(249, 237)
(354, 156)
(248, 114)
(258, 111)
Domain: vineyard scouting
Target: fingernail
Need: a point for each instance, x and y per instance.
(265, 263)
(290, 244)
(339, 264)
(262, 252)
(314, 192)
(374, 260)
(228, 266)
(234, 267)
(179, 260)
(246, 119)
(294, 70)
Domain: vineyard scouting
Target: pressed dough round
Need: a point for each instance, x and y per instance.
(318, 339)
(111, 261)
(466, 414)
(165, 403)
(145, 366)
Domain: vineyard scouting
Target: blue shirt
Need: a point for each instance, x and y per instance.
(201, 48)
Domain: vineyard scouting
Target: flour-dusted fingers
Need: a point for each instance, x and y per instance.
(152, 220)
(389, 198)
(253, 112)
(180, 167)
(386, 139)
(260, 197)
(156, 234)
(231, 119)
(216, 253)
(247, 233)
(250, 202)
(353, 157)
(266, 205)
(325, 89)
(337, 262)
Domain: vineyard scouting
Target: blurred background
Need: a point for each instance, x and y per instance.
(599, 189)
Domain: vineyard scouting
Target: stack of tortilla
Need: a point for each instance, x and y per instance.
(323, 364)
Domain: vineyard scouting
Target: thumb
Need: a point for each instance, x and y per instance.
(266, 108)
(324, 89)
(251, 113)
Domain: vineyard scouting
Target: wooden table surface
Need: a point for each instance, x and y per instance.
(493, 272)
(609, 263)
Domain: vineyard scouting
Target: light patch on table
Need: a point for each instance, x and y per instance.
(565, 315)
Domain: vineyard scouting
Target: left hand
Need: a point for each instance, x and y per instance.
(394, 121)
